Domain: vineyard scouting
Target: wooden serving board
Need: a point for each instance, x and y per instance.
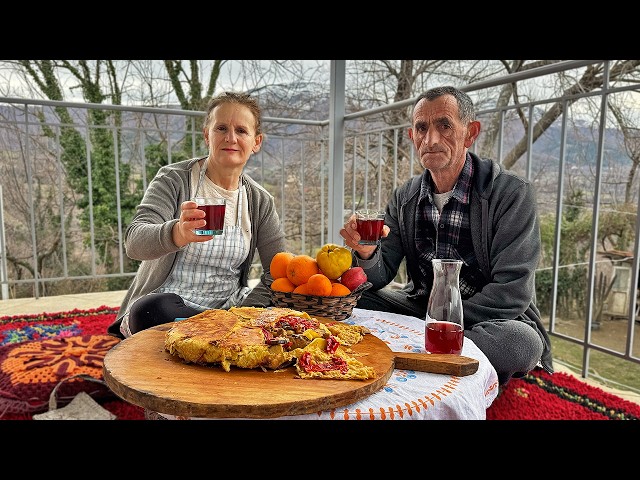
(140, 371)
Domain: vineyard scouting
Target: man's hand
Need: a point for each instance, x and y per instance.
(352, 237)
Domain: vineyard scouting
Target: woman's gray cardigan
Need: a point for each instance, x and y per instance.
(149, 236)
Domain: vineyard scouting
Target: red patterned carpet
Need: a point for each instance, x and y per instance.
(38, 351)
(540, 396)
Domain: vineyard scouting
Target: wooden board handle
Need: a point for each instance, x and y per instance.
(437, 363)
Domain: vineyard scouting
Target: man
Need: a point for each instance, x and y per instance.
(467, 208)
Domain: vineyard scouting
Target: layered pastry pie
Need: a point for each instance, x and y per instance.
(270, 339)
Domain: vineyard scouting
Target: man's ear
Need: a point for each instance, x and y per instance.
(473, 130)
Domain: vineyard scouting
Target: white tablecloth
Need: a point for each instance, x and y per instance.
(411, 395)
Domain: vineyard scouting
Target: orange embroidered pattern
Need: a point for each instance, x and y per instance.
(53, 359)
(29, 371)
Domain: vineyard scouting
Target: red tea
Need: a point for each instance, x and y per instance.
(443, 337)
(214, 216)
(369, 230)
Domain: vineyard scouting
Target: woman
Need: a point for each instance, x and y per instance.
(182, 273)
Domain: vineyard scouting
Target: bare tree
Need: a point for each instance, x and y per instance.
(591, 79)
(631, 140)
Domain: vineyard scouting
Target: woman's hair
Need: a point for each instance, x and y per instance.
(241, 99)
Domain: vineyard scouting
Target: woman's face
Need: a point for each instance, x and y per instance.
(231, 135)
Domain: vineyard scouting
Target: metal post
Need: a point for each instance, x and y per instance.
(4, 276)
(336, 151)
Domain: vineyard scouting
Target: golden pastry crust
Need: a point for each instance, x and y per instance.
(221, 337)
(268, 338)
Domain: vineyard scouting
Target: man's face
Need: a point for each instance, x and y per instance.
(438, 134)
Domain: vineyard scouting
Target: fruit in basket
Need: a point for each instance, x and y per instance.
(319, 284)
(339, 290)
(282, 284)
(302, 289)
(353, 278)
(279, 262)
(333, 260)
(300, 268)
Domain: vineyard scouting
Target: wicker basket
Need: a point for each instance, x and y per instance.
(336, 308)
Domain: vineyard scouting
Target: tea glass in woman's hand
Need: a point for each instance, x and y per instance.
(214, 209)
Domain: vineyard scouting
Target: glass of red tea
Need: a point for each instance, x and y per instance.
(214, 210)
(369, 224)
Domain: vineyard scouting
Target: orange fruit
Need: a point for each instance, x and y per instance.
(302, 289)
(300, 268)
(282, 284)
(319, 284)
(339, 290)
(279, 262)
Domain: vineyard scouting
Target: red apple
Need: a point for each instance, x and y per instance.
(353, 278)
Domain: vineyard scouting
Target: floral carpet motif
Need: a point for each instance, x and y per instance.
(37, 351)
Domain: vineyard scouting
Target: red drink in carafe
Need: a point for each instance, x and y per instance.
(443, 337)
(444, 324)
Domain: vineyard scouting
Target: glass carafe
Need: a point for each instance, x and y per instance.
(444, 326)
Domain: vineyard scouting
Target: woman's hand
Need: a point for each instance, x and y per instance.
(191, 217)
(352, 237)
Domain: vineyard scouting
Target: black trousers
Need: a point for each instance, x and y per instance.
(156, 309)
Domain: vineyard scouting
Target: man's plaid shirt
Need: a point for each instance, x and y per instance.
(446, 234)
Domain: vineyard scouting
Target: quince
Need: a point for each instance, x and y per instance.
(333, 260)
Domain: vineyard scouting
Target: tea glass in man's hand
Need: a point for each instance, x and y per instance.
(369, 225)
(214, 209)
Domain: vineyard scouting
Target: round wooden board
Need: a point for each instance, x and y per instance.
(140, 371)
